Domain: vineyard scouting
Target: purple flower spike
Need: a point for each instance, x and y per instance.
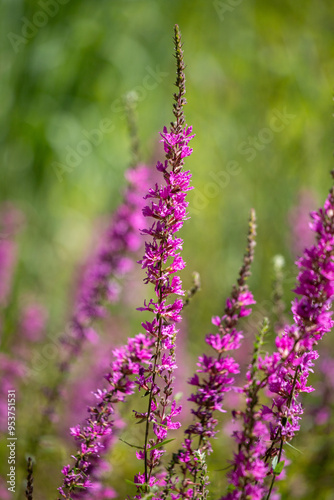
(288, 368)
(249, 471)
(168, 209)
(214, 377)
(93, 437)
(285, 372)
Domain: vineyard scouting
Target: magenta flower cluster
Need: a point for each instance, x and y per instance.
(94, 434)
(285, 372)
(168, 209)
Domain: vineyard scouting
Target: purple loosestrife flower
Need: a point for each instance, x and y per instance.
(249, 470)
(80, 395)
(214, 377)
(97, 471)
(288, 368)
(94, 435)
(162, 259)
(286, 371)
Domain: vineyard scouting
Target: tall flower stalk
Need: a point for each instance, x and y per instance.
(286, 371)
(152, 354)
(249, 471)
(162, 260)
(214, 377)
(92, 436)
(289, 367)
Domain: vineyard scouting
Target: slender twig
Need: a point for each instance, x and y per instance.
(193, 290)
(30, 480)
(280, 432)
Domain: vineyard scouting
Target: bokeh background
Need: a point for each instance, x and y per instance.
(259, 88)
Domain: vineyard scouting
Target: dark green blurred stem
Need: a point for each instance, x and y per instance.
(30, 480)
(274, 476)
(252, 396)
(280, 433)
(193, 290)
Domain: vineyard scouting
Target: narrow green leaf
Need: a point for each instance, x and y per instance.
(132, 445)
(274, 462)
(135, 484)
(279, 467)
(161, 444)
(296, 449)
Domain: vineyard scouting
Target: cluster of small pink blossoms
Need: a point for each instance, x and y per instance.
(170, 212)
(286, 370)
(215, 379)
(162, 259)
(95, 434)
(249, 471)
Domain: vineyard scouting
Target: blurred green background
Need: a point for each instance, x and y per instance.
(259, 87)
